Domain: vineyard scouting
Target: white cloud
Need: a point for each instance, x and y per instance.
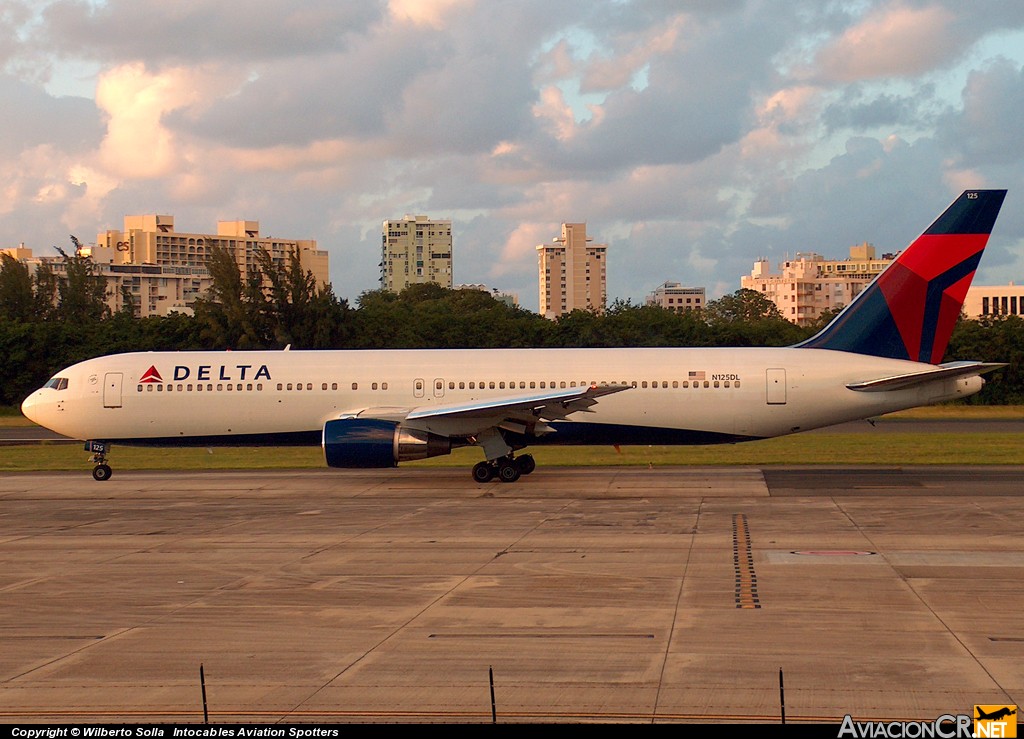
(556, 114)
(425, 12)
(135, 101)
(759, 128)
(894, 40)
(520, 248)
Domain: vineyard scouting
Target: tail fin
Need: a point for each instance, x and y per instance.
(910, 309)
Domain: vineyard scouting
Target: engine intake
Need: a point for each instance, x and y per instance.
(370, 442)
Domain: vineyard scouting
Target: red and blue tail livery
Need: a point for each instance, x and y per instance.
(909, 311)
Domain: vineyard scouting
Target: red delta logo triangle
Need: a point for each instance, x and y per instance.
(151, 375)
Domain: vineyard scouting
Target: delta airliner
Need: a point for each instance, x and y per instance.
(882, 353)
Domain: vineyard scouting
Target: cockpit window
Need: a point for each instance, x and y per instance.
(57, 383)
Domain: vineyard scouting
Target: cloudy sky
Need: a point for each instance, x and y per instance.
(692, 136)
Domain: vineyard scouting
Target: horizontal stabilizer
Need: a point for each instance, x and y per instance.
(941, 372)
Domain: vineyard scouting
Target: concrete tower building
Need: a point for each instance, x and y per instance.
(415, 250)
(572, 273)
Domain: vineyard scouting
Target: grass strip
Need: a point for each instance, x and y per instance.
(865, 448)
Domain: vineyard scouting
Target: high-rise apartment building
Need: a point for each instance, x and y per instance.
(165, 270)
(415, 250)
(809, 285)
(572, 273)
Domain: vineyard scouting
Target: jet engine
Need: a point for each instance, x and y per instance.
(371, 442)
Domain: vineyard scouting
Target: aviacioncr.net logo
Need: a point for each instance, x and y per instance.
(946, 726)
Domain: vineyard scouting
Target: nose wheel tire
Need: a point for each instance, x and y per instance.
(102, 472)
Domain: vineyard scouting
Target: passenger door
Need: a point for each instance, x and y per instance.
(776, 386)
(112, 389)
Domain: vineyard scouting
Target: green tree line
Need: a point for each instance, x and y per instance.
(49, 320)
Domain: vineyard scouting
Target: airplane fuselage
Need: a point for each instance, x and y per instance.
(674, 395)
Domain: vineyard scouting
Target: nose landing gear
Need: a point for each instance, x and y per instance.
(101, 472)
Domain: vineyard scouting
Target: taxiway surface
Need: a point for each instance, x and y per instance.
(627, 595)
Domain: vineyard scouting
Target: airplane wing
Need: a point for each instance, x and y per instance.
(518, 413)
(940, 372)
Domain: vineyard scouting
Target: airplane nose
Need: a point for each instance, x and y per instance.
(30, 407)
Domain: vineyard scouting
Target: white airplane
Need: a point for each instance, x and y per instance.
(367, 408)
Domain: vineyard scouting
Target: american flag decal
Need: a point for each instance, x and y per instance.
(696, 375)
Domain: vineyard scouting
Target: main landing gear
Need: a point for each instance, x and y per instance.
(506, 469)
(101, 472)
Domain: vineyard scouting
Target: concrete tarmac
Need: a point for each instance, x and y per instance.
(611, 595)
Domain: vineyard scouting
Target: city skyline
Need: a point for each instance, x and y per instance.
(691, 140)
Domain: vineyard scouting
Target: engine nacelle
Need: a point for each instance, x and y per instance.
(370, 442)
